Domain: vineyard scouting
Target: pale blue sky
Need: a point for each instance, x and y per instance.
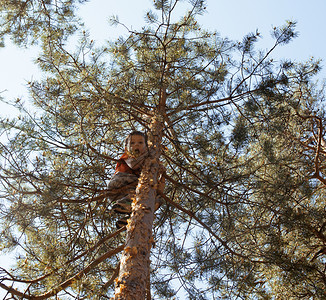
(231, 18)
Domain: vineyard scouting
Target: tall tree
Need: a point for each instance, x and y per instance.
(241, 142)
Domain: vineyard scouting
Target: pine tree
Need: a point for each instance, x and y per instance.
(35, 21)
(239, 137)
(282, 223)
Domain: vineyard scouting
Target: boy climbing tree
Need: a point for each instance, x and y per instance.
(125, 179)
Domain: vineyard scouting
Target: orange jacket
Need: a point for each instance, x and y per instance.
(122, 166)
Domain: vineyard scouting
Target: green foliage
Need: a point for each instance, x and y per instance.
(32, 20)
(242, 146)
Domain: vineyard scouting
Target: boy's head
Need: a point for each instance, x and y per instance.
(136, 143)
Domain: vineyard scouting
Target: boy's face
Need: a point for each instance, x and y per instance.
(137, 145)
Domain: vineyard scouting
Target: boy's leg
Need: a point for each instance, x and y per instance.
(123, 204)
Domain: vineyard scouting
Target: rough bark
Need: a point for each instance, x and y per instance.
(132, 282)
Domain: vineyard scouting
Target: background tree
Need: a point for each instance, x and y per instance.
(242, 144)
(35, 21)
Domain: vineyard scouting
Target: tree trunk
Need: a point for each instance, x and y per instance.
(134, 274)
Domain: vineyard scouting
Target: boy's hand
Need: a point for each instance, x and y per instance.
(161, 184)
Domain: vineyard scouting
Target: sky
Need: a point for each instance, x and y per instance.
(231, 18)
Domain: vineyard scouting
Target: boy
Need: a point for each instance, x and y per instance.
(126, 175)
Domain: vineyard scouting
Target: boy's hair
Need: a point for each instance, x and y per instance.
(135, 132)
